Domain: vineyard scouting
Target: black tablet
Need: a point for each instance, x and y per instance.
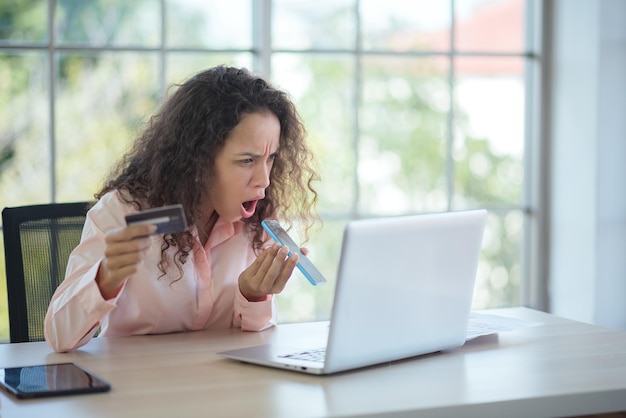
(50, 380)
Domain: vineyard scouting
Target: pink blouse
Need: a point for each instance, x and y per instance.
(206, 297)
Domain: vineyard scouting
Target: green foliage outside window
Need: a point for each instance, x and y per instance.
(382, 143)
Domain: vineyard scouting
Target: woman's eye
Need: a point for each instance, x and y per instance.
(247, 161)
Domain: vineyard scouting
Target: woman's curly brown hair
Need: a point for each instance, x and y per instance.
(172, 160)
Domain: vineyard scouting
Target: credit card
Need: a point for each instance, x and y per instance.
(168, 219)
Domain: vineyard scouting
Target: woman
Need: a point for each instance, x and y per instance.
(231, 149)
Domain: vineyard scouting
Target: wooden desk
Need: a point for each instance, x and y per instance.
(561, 368)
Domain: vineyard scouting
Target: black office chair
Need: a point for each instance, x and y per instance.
(37, 243)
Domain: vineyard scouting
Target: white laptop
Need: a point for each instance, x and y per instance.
(404, 289)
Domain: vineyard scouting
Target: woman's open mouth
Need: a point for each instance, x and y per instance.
(248, 208)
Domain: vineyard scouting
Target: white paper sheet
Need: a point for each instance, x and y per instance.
(485, 324)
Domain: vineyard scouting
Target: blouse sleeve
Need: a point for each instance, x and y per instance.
(77, 306)
(255, 316)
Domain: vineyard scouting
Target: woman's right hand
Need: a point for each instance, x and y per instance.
(125, 249)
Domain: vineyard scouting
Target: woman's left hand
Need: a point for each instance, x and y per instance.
(268, 274)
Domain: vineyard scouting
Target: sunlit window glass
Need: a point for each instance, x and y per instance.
(323, 89)
(213, 24)
(24, 21)
(321, 24)
(24, 128)
(489, 131)
(101, 102)
(498, 275)
(403, 135)
(489, 25)
(400, 25)
(108, 22)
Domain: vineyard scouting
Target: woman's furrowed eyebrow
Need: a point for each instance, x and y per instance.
(252, 154)
(247, 154)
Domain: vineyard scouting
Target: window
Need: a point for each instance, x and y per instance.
(412, 107)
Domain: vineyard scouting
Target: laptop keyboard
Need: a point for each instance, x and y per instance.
(317, 355)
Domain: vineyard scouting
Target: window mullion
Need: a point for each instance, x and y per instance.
(51, 95)
(262, 36)
(450, 133)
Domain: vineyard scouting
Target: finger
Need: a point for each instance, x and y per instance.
(267, 260)
(259, 280)
(251, 279)
(129, 233)
(118, 276)
(114, 270)
(272, 267)
(118, 268)
(304, 250)
(141, 230)
(122, 260)
(261, 258)
(277, 275)
(137, 245)
(285, 273)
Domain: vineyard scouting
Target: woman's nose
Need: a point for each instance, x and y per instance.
(262, 176)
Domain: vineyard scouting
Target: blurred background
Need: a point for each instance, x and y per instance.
(411, 107)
